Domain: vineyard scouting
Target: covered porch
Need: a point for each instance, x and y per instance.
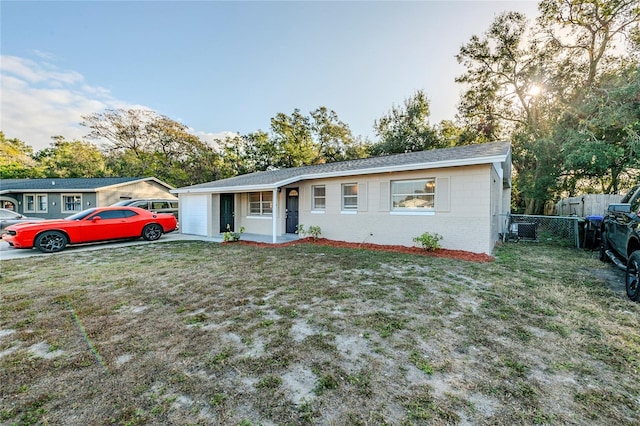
(258, 238)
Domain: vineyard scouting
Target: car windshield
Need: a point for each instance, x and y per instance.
(123, 203)
(80, 215)
(7, 214)
(630, 194)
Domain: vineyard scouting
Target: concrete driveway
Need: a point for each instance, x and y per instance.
(7, 252)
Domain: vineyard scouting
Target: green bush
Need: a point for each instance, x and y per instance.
(232, 236)
(428, 241)
(314, 231)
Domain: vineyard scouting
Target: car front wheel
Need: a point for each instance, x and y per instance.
(632, 276)
(51, 242)
(152, 232)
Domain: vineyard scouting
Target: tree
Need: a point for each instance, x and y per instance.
(124, 130)
(407, 128)
(72, 159)
(601, 133)
(249, 153)
(16, 161)
(293, 141)
(585, 34)
(457, 134)
(334, 139)
(521, 79)
(145, 143)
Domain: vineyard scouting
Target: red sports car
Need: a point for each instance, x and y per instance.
(91, 225)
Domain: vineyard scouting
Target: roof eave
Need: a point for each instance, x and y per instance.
(358, 172)
(129, 182)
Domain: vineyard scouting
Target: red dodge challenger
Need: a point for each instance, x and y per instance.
(91, 225)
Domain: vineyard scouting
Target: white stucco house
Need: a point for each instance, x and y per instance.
(462, 193)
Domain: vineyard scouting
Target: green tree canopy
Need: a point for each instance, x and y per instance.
(72, 159)
(406, 128)
(295, 140)
(16, 161)
(601, 134)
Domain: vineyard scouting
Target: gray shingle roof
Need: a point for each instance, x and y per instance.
(61, 184)
(469, 154)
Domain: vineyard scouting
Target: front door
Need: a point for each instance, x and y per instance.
(292, 210)
(226, 212)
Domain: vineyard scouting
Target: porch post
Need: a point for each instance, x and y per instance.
(274, 217)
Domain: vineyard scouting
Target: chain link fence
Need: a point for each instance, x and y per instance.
(564, 230)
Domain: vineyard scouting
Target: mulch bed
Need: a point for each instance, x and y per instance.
(450, 254)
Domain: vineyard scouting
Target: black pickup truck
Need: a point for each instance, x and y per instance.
(620, 234)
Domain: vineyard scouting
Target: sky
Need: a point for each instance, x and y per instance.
(223, 67)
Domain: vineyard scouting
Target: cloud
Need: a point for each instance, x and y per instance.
(36, 73)
(214, 139)
(40, 101)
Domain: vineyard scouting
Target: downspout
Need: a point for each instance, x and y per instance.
(274, 217)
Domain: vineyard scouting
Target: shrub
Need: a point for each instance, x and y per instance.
(230, 236)
(428, 241)
(314, 231)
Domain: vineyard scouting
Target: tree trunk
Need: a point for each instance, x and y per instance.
(534, 206)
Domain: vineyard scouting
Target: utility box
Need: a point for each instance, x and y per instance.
(524, 230)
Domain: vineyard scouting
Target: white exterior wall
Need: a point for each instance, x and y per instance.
(259, 224)
(462, 217)
(470, 202)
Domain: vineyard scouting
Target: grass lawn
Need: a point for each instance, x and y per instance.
(203, 333)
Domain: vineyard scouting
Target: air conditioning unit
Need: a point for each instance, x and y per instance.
(524, 230)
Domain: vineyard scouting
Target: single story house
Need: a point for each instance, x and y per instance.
(57, 197)
(462, 193)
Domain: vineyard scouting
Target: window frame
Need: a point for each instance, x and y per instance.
(351, 206)
(413, 210)
(63, 203)
(35, 203)
(314, 198)
(264, 204)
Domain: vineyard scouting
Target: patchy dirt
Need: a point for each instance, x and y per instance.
(614, 278)
(443, 253)
(247, 334)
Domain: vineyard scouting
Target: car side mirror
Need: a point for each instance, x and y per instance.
(96, 218)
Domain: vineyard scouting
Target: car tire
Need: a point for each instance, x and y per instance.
(152, 232)
(51, 242)
(604, 246)
(632, 276)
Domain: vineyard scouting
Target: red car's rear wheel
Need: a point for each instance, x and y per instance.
(152, 232)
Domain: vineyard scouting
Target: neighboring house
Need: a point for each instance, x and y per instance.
(57, 198)
(461, 193)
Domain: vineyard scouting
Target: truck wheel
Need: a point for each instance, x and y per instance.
(632, 276)
(604, 246)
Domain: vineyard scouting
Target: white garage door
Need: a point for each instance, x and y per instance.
(193, 217)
